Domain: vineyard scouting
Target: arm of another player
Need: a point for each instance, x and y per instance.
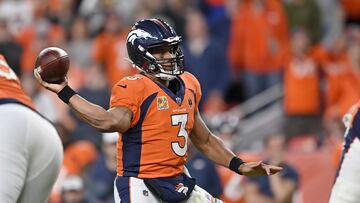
(116, 119)
(215, 150)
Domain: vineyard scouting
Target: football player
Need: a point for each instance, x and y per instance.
(347, 184)
(31, 152)
(156, 111)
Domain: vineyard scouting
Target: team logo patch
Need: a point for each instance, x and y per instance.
(162, 103)
(181, 188)
(178, 100)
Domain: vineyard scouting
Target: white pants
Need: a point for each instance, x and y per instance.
(137, 192)
(345, 192)
(31, 155)
(347, 186)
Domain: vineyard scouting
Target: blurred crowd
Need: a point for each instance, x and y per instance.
(236, 49)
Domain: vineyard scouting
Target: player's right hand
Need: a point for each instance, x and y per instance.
(50, 86)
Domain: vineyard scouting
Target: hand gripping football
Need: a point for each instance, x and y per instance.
(53, 64)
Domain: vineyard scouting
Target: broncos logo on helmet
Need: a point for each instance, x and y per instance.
(152, 35)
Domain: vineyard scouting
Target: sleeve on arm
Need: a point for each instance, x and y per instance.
(195, 85)
(197, 92)
(128, 94)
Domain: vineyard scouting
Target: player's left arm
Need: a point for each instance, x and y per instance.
(213, 147)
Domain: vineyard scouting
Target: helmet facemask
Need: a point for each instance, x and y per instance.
(166, 68)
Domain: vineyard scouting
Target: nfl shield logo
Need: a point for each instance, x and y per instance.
(162, 103)
(145, 193)
(178, 100)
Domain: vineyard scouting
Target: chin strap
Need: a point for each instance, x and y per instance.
(165, 76)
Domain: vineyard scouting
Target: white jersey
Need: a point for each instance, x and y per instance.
(30, 149)
(31, 154)
(347, 184)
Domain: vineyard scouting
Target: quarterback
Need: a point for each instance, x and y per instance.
(156, 112)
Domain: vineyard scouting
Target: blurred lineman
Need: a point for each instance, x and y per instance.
(347, 184)
(31, 152)
(157, 112)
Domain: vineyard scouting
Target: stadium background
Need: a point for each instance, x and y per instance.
(288, 67)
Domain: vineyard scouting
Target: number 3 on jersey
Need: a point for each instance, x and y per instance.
(180, 120)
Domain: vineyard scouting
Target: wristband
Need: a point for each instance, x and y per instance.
(235, 164)
(66, 93)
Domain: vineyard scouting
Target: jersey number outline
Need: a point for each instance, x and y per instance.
(180, 120)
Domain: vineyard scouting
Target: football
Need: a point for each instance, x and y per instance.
(53, 64)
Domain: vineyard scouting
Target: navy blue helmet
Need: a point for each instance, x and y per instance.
(154, 35)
